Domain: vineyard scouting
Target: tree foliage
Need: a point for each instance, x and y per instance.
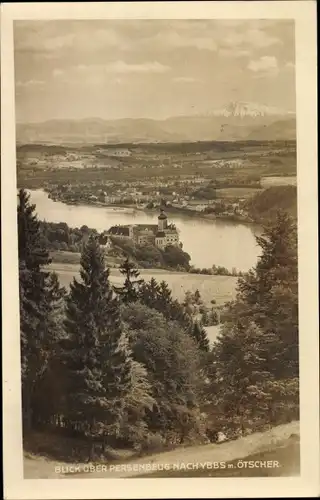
(35, 306)
(200, 336)
(100, 371)
(173, 362)
(158, 296)
(255, 364)
(129, 292)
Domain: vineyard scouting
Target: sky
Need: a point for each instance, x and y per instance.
(114, 69)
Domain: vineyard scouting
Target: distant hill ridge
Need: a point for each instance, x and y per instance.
(237, 121)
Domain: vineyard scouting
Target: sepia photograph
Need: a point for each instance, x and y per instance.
(157, 230)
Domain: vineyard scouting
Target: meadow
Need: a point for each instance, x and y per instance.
(237, 192)
(222, 289)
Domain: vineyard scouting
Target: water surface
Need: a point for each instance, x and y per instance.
(222, 243)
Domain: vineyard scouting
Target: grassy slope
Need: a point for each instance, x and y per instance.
(220, 288)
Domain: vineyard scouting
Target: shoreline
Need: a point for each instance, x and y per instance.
(169, 209)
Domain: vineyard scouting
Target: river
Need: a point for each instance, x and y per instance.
(223, 243)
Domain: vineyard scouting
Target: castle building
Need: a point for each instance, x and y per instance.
(161, 235)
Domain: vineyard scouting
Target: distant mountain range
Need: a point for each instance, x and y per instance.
(237, 121)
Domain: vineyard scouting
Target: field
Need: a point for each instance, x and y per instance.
(42, 164)
(220, 288)
(237, 192)
(65, 257)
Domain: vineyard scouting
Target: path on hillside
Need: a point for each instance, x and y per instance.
(38, 467)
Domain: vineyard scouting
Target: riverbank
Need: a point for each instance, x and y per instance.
(130, 208)
(195, 214)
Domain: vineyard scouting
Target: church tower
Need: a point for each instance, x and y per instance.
(162, 221)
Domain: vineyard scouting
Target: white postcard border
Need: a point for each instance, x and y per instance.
(17, 488)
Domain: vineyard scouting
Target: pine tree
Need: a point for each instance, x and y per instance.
(136, 405)
(148, 293)
(256, 357)
(31, 245)
(48, 394)
(164, 299)
(159, 297)
(97, 355)
(33, 300)
(129, 292)
(205, 318)
(269, 293)
(200, 336)
(246, 390)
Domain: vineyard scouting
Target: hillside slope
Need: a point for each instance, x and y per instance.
(264, 205)
(274, 131)
(270, 443)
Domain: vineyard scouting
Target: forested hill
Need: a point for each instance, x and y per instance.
(264, 205)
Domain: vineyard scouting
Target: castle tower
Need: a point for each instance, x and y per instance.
(162, 221)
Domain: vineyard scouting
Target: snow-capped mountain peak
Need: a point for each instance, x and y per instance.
(243, 109)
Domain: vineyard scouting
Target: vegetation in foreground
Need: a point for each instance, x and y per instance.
(132, 367)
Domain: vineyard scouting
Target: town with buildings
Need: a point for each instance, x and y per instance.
(195, 180)
(190, 193)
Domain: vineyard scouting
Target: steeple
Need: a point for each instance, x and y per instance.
(162, 221)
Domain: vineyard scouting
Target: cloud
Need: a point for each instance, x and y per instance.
(59, 42)
(267, 65)
(147, 67)
(177, 36)
(57, 72)
(122, 67)
(48, 39)
(185, 79)
(253, 37)
(175, 39)
(236, 53)
(30, 83)
(260, 39)
(92, 39)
